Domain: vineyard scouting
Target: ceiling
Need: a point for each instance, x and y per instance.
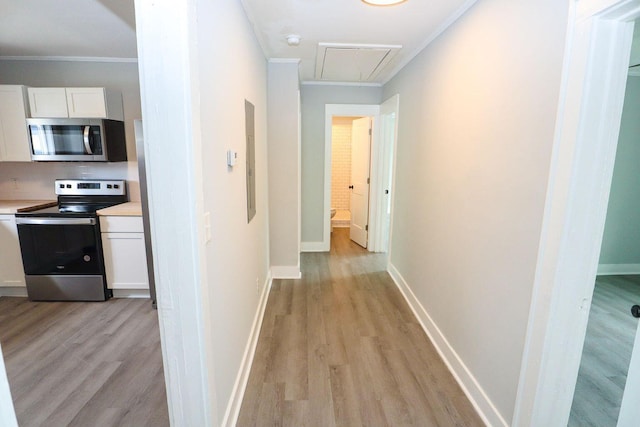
(341, 40)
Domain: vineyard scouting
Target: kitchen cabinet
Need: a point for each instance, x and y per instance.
(11, 270)
(75, 102)
(123, 246)
(14, 141)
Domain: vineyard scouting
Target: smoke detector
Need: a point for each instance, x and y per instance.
(293, 40)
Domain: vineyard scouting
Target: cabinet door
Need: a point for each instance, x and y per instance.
(125, 260)
(14, 141)
(86, 102)
(48, 102)
(11, 271)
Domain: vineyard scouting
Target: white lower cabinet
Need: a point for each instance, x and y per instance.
(11, 270)
(125, 257)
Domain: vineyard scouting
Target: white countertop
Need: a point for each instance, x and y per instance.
(123, 209)
(13, 206)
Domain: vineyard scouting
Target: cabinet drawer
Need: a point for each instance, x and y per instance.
(121, 224)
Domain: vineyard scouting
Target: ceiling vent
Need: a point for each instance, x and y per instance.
(352, 62)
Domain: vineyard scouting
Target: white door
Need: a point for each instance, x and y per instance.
(630, 407)
(360, 159)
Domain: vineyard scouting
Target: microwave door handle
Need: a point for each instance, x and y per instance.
(87, 144)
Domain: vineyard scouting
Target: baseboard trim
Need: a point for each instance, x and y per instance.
(313, 247)
(233, 408)
(13, 291)
(616, 269)
(131, 293)
(474, 392)
(285, 272)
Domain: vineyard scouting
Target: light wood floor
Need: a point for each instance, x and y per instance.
(340, 347)
(607, 352)
(84, 364)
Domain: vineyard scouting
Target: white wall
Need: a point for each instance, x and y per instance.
(621, 240)
(284, 152)
(314, 98)
(476, 123)
(232, 68)
(35, 180)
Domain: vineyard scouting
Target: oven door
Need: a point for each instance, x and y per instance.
(62, 259)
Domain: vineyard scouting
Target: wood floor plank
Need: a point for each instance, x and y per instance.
(84, 364)
(340, 347)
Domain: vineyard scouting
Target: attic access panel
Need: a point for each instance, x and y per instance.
(352, 63)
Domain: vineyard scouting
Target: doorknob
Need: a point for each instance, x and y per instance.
(351, 187)
(635, 311)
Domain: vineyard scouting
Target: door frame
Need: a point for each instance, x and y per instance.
(347, 110)
(386, 148)
(594, 78)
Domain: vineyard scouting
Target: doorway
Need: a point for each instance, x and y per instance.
(590, 108)
(611, 328)
(350, 172)
(375, 219)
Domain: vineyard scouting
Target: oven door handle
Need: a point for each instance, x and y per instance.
(87, 142)
(56, 221)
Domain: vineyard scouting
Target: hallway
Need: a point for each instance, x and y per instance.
(341, 347)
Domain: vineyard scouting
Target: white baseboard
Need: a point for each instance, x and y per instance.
(131, 293)
(614, 269)
(233, 408)
(474, 392)
(13, 291)
(285, 272)
(314, 247)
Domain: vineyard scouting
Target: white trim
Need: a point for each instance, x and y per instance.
(618, 269)
(284, 60)
(470, 386)
(13, 291)
(325, 83)
(7, 411)
(314, 247)
(131, 293)
(235, 402)
(285, 272)
(69, 59)
(441, 29)
(346, 110)
(583, 156)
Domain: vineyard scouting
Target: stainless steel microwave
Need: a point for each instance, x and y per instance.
(77, 140)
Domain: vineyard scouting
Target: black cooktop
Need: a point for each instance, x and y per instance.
(86, 210)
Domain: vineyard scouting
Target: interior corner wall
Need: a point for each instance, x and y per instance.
(35, 179)
(476, 127)
(283, 155)
(621, 240)
(232, 69)
(313, 101)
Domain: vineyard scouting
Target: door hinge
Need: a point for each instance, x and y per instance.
(368, 180)
(366, 227)
(369, 131)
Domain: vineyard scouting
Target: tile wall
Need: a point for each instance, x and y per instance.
(341, 163)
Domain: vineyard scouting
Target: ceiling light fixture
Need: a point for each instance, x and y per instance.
(383, 2)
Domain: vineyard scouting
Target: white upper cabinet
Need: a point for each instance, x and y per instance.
(49, 102)
(14, 141)
(76, 102)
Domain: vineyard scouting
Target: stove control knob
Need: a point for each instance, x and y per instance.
(109, 186)
(61, 185)
(116, 186)
(68, 185)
